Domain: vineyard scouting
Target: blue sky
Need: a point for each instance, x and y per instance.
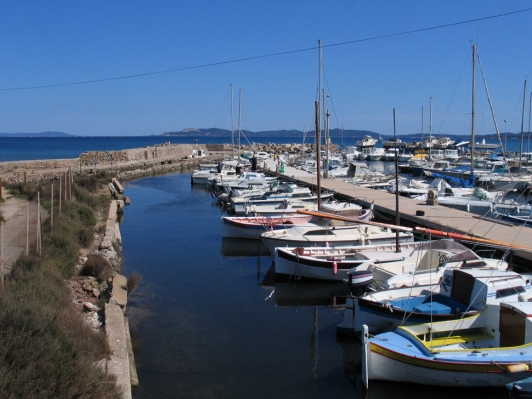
(48, 43)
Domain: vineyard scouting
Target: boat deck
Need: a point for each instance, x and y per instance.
(417, 213)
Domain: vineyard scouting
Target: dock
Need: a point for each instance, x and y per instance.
(414, 213)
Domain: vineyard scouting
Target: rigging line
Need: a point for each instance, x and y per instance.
(266, 55)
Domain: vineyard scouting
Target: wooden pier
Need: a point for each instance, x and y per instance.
(417, 213)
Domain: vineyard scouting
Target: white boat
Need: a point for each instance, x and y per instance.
(393, 143)
(391, 154)
(336, 263)
(376, 154)
(443, 142)
(286, 199)
(367, 141)
(246, 178)
(480, 198)
(451, 154)
(489, 349)
(419, 188)
(329, 232)
(202, 176)
(442, 287)
(251, 227)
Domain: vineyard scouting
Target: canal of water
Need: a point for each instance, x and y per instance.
(208, 322)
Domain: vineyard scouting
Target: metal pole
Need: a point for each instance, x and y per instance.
(397, 218)
(318, 175)
(472, 145)
(522, 130)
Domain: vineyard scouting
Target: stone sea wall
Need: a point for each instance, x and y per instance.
(131, 159)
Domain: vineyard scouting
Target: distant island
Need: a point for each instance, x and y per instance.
(42, 134)
(334, 133)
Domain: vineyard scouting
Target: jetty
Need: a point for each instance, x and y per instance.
(416, 213)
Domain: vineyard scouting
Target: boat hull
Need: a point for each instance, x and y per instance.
(387, 364)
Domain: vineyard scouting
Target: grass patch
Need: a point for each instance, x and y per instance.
(46, 349)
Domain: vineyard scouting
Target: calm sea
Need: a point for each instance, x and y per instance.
(32, 148)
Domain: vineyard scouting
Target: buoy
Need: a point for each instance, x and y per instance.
(335, 267)
(518, 368)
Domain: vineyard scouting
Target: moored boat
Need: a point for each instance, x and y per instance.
(491, 348)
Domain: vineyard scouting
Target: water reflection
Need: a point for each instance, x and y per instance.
(236, 247)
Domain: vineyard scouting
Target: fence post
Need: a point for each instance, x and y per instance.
(59, 194)
(38, 223)
(52, 206)
(27, 229)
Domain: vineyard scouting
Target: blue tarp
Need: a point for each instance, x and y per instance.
(461, 182)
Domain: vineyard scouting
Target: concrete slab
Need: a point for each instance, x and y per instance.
(118, 365)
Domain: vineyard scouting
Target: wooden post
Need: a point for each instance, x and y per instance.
(59, 194)
(27, 229)
(38, 223)
(52, 206)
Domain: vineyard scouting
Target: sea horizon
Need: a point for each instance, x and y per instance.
(41, 148)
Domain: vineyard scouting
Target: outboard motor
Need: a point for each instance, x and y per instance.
(359, 280)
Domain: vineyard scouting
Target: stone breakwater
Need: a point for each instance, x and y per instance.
(154, 158)
(136, 162)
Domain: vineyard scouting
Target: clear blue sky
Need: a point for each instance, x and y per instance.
(59, 42)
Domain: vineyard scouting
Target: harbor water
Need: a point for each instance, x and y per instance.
(209, 319)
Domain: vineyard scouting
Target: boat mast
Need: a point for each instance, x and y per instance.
(430, 131)
(318, 174)
(472, 145)
(232, 126)
(239, 119)
(397, 218)
(422, 127)
(326, 134)
(522, 130)
(318, 131)
(529, 113)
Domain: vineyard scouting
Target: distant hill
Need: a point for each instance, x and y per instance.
(42, 134)
(274, 133)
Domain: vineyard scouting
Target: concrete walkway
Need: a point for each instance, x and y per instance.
(437, 217)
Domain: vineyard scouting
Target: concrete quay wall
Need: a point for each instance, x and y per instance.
(154, 157)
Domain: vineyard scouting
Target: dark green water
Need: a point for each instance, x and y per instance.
(212, 326)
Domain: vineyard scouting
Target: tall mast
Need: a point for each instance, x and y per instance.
(318, 174)
(529, 113)
(473, 88)
(318, 137)
(397, 217)
(239, 118)
(430, 130)
(522, 129)
(422, 125)
(232, 126)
